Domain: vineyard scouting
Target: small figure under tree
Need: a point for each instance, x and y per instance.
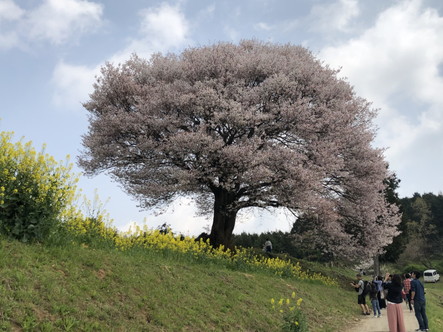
(237, 126)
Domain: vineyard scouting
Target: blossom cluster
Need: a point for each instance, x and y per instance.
(256, 124)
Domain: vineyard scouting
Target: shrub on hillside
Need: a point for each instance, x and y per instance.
(35, 190)
(294, 319)
(414, 267)
(91, 231)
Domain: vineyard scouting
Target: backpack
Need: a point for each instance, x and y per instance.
(373, 288)
(366, 288)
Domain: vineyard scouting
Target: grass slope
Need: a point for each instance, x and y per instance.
(75, 288)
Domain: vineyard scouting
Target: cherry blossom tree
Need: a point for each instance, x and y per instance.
(238, 126)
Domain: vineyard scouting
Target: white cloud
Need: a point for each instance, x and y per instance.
(182, 218)
(401, 53)
(258, 221)
(9, 14)
(207, 12)
(9, 11)
(72, 84)
(263, 26)
(334, 16)
(9, 40)
(162, 29)
(395, 64)
(59, 20)
(56, 21)
(326, 18)
(232, 33)
(398, 133)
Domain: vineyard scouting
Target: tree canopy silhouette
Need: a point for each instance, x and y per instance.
(237, 126)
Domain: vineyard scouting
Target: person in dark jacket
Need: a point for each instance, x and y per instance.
(381, 293)
(394, 300)
(418, 300)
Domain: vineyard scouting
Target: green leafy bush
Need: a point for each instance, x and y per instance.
(414, 267)
(35, 190)
(294, 319)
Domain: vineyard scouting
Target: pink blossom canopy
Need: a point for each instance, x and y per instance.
(248, 125)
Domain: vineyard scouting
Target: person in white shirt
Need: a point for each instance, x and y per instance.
(268, 245)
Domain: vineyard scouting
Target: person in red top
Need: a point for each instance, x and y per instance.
(407, 289)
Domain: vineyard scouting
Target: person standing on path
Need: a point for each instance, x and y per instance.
(407, 289)
(361, 297)
(374, 299)
(394, 303)
(418, 300)
(379, 283)
(381, 293)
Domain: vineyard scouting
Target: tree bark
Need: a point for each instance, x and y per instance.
(377, 265)
(224, 218)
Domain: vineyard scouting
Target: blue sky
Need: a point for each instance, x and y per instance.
(390, 51)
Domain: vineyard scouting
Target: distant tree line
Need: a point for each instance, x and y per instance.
(422, 230)
(420, 240)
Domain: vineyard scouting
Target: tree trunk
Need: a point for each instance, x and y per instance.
(377, 265)
(224, 219)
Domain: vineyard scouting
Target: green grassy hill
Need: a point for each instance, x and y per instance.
(75, 288)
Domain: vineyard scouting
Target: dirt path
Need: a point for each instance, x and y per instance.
(371, 324)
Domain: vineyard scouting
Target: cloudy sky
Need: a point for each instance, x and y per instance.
(390, 51)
